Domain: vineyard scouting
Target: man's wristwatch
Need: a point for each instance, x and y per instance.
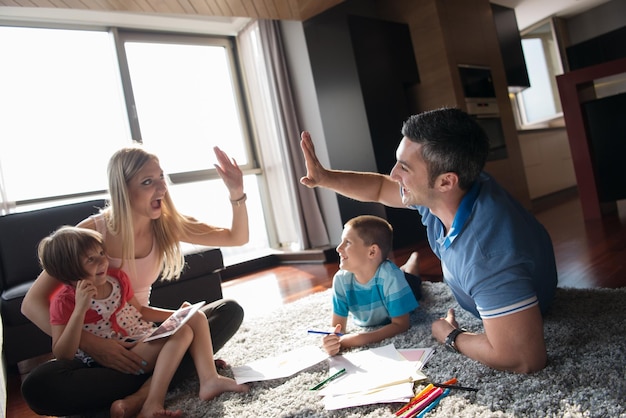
(451, 338)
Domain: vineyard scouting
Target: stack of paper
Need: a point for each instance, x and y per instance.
(378, 375)
(419, 355)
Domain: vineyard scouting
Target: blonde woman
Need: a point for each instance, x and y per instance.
(142, 232)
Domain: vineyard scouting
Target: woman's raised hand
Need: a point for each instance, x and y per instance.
(230, 173)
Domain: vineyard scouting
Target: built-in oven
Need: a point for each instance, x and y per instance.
(492, 125)
(480, 102)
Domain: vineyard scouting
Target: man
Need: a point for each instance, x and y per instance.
(496, 257)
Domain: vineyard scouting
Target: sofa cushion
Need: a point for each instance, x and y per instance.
(20, 234)
(11, 304)
(200, 280)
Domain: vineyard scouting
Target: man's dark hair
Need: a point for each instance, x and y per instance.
(452, 141)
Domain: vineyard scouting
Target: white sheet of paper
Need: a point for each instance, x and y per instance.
(401, 393)
(371, 369)
(283, 365)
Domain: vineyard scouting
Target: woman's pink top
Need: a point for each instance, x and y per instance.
(147, 269)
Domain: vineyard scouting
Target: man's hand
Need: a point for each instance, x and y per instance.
(444, 326)
(314, 169)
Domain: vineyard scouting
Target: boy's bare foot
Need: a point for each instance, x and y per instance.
(412, 265)
(216, 386)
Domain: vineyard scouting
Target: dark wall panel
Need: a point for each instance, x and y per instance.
(606, 128)
(386, 67)
(603, 48)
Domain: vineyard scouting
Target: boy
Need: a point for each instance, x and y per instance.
(368, 285)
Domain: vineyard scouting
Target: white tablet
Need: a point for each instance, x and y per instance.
(174, 322)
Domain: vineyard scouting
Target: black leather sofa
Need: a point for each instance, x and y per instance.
(20, 234)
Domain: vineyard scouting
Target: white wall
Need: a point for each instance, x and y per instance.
(330, 105)
(597, 21)
(308, 110)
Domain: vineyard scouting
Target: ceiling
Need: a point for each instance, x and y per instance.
(527, 12)
(262, 9)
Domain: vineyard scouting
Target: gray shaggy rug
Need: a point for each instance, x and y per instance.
(585, 376)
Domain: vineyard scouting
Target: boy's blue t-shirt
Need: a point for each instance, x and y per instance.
(385, 296)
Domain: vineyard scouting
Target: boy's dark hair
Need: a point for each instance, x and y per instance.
(452, 141)
(61, 253)
(373, 230)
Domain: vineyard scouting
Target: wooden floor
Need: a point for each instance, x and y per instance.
(588, 254)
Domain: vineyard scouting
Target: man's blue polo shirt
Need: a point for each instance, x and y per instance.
(497, 258)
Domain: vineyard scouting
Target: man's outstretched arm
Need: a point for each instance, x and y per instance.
(362, 186)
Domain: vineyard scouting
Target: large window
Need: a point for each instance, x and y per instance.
(61, 113)
(69, 98)
(540, 102)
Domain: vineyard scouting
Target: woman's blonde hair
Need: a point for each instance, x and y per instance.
(167, 229)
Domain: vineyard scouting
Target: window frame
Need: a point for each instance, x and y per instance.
(554, 68)
(229, 43)
(252, 167)
(51, 200)
(119, 35)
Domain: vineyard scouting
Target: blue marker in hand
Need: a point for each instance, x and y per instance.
(312, 331)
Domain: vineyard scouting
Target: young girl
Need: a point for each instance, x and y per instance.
(101, 301)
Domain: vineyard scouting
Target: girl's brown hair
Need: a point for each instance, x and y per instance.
(61, 253)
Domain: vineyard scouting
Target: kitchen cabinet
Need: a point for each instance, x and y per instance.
(547, 161)
(510, 47)
(447, 34)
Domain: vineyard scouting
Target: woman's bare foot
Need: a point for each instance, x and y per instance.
(214, 387)
(412, 265)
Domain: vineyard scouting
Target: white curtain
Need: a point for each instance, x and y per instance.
(296, 214)
(5, 206)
